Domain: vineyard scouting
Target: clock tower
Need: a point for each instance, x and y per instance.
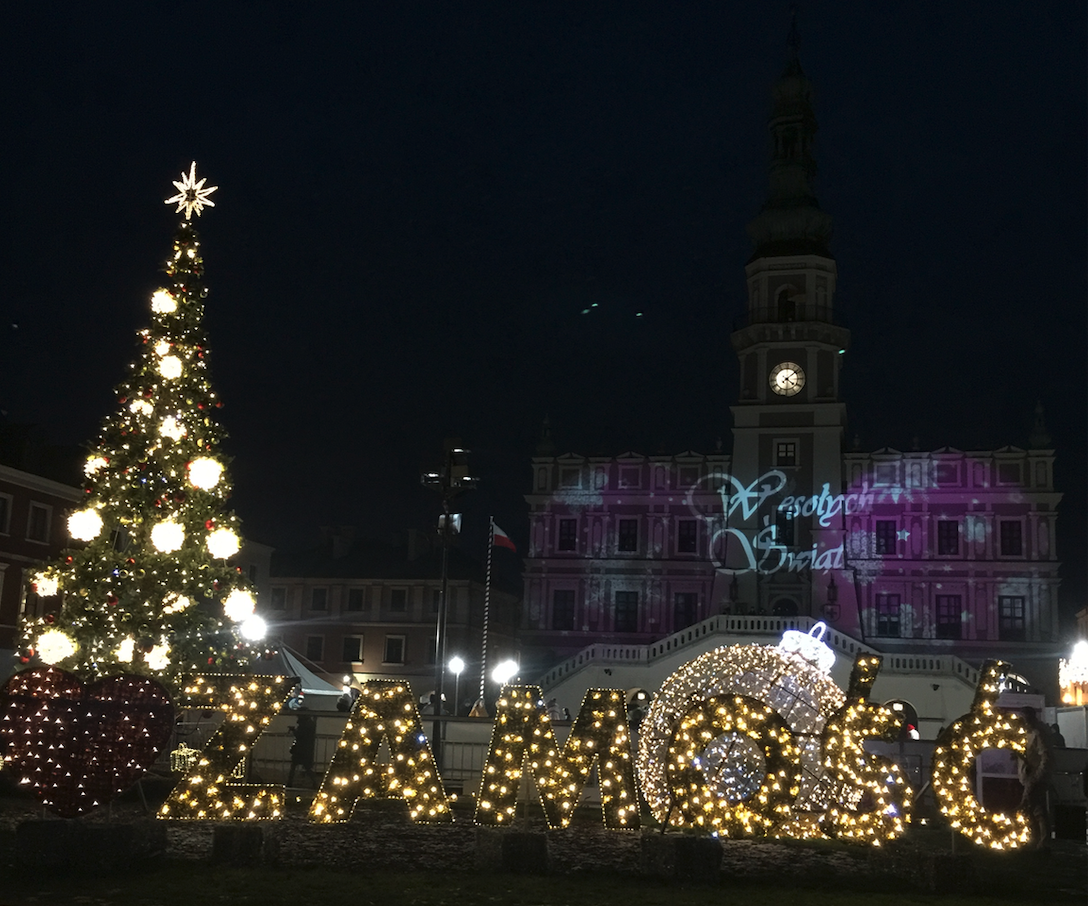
(788, 423)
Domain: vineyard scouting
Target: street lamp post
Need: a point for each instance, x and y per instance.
(449, 481)
(457, 666)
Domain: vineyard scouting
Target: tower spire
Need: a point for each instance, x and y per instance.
(791, 222)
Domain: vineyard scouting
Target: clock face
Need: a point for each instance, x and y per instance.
(787, 378)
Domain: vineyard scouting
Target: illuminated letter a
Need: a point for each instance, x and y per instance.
(384, 709)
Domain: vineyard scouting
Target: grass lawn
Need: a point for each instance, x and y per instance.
(186, 884)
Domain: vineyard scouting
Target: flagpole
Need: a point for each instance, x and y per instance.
(487, 607)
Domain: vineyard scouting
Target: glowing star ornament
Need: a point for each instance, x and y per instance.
(45, 585)
(158, 657)
(192, 195)
(173, 603)
(162, 303)
(168, 537)
(84, 525)
(55, 646)
(239, 605)
(125, 650)
(170, 367)
(172, 428)
(204, 473)
(223, 543)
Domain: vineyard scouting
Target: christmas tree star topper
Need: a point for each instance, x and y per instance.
(192, 196)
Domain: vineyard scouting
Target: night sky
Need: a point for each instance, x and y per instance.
(419, 202)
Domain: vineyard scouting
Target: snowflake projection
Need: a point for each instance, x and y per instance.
(800, 692)
(192, 195)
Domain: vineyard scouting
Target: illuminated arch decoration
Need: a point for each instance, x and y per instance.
(957, 748)
(385, 709)
(802, 694)
(522, 733)
(208, 791)
(722, 717)
(876, 801)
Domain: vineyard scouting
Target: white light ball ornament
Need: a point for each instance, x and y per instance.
(54, 646)
(168, 537)
(170, 367)
(223, 543)
(157, 658)
(125, 649)
(162, 303)
(85, 525)
(45, 586)
(174, 603)
(93, 464)
(204, 473)
(172, 428)
(239, 605)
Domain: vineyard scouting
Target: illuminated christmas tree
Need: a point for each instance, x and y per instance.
(152, 591)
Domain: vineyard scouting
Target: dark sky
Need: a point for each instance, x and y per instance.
(418, 201)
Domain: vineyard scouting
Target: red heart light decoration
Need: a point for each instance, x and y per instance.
(77, 745)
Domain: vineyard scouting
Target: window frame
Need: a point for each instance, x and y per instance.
(941, 614)
(888, 611)
(948, 545)
(627, 535)
(566, 540)
(312, 606)
(279, 591)
(628, 609)
(359, 649)
(47, 521)
(687, 536)
(569, 599)
(1012, 627)
(885, 546)
(395, 637)
(320, 640)
(1017, 535)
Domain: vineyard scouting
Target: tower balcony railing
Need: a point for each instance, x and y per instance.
(771, 315)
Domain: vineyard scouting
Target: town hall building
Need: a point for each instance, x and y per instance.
(944, 553)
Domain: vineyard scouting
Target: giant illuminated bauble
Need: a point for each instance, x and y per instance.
(239, 605)
(45, 585)
(787, 378)
(223, 543)
(93, 464)
(802, 694)
(172, 428)
(54, 646)
(170, 367)
(168, 537)
(204, 473)
(162, 303)
(158, 657)
(84, 525)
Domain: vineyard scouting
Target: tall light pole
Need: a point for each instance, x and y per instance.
(457, 666)
(449, 481)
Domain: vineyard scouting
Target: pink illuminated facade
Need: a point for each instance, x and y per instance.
(938, 552)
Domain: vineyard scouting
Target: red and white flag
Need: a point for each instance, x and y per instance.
(500, 539)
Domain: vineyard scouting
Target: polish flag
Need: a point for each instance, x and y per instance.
(500, 539)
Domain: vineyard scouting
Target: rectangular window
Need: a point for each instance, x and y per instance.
(436, 600)
(563, 609)
(278, 598)
(568, 534)
(948, 537)
(626, 611)
(1010, 613)
(319, 599)
(37, 525)
(949, 621)
(253, 572)
(684, 612)
(785, 453)
(353, 649)
(884, 537)
(687, 538)
(315, 648)
(394, 649)
(5, 513)
(784, 528)
(398, 600)
(627, 539)
(887, 616)
(1008, 473)
(1012, 539)
(357, 598)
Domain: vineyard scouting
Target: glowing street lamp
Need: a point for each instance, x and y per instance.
(457, 666)
(505, 671)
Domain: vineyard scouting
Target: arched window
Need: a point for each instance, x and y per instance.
(784, 607)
